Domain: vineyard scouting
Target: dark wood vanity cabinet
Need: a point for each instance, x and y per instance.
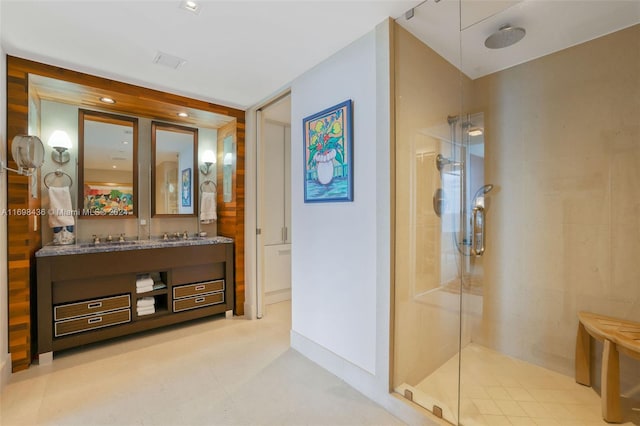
(88, 297)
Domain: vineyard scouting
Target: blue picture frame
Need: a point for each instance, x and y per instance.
(328, 154)
(186, 187)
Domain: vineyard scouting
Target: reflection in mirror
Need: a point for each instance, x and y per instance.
(227, 162)
(174, 173)
(108, 166)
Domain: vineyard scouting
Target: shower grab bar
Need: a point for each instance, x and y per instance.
(477, 212)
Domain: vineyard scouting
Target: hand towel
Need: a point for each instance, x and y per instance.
(208, 207)
(144, 289)
(60, 208)
(145, 302)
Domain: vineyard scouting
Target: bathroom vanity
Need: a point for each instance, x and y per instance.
(87, 292)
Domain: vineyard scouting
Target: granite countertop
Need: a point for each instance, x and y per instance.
(103, 247)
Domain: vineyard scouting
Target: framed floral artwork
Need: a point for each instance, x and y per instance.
(186, 188)
(328, 155)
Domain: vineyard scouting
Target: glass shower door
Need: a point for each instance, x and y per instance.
(429, 196)
(439, 196)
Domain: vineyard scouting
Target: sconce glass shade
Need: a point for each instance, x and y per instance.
(208, 158)
(59, 140)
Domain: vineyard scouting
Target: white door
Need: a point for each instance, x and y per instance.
(274, 205)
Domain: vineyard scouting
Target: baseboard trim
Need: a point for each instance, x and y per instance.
(249, 310)
(277, 296)
(5, 372)
(364, 382)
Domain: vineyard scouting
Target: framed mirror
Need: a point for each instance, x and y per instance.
(107, 165)
(174, 171)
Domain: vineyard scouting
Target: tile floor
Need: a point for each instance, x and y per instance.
(210, 372)
(499, 390)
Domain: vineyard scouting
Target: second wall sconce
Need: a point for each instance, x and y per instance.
(60, 142)
(209, 159)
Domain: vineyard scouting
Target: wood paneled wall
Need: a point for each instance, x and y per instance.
(231, 214)
(24, 236)
(23, 232)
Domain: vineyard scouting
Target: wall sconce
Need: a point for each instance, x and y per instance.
(209, 159)
(27, 152)
(60, 142)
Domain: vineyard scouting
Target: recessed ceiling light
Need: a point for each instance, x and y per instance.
(190, 6)
(125, 142)
(114, 166)
(107, 100)
(476, 131)
(183, 114)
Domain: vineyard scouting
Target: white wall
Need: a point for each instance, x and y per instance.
(341, 267)
(4, 320)
(334, 276)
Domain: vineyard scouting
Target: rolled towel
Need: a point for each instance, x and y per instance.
(146, 301)
(144, 282)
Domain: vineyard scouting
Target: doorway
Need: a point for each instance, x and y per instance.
(274, 203)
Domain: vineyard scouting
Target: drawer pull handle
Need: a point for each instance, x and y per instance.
(94, 305)
(199, 287)
(95, 320)
(200, 300)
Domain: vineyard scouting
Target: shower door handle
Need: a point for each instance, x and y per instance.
(477, 231)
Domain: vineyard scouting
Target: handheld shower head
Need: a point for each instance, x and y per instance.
(480, 192)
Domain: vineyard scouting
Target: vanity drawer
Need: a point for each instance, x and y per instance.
(92, 322)
(91, 307)
(198, 288)
(197, 301)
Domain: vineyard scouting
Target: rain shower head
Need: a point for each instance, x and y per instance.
(505, 37)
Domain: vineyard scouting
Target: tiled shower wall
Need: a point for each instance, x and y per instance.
(563, 149)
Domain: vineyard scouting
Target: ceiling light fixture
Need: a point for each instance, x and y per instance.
(183, 114)
(476, 131)
(190, 6)
(107, 100)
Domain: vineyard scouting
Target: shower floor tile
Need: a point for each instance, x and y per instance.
(497, 390)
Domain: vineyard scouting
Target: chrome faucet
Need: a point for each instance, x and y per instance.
(121, 239)
(109, 238)
(165, 236)
(185, 236)
(96, 239)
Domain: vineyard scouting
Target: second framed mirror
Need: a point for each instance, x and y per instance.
(174, 176)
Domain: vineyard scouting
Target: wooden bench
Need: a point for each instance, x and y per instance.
(618, 336)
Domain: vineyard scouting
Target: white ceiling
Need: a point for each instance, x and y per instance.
(551, 25)
(239, 53)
